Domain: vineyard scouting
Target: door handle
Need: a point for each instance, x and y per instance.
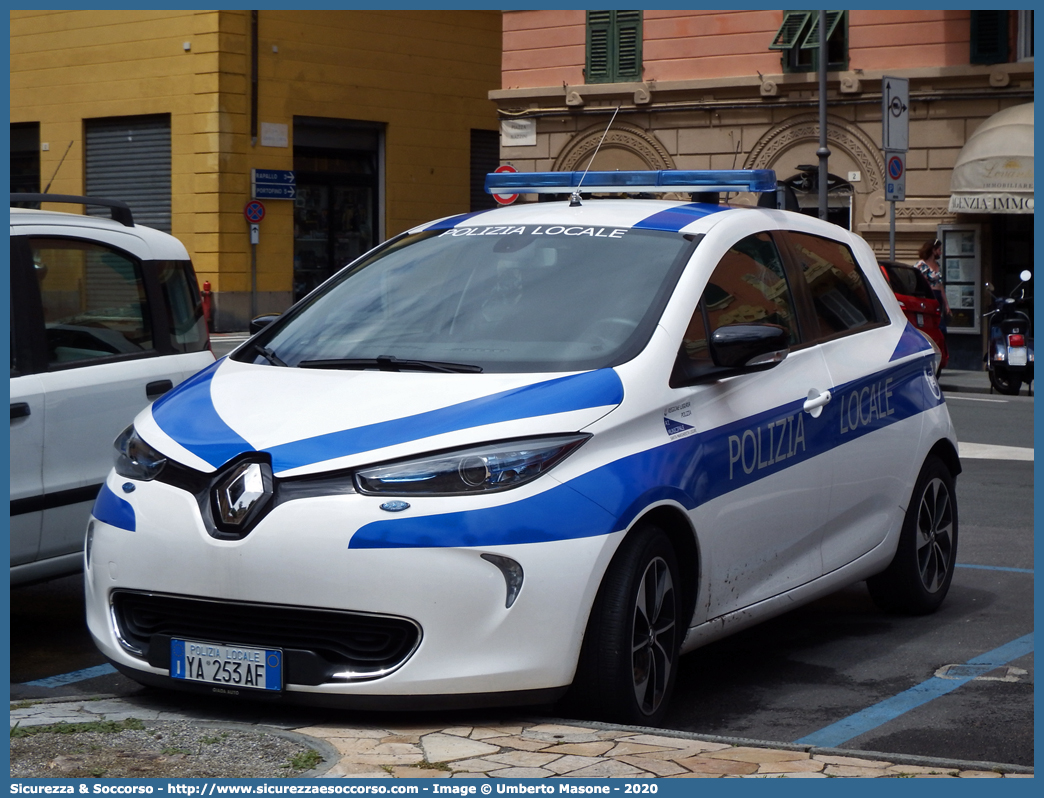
(815, 402)
(19, 410)
(156, 389)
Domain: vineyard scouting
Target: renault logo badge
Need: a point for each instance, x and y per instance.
(243, 494)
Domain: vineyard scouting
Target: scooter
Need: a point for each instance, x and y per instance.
(1009, 354)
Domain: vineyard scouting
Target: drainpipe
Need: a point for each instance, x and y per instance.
(823, 152)
(253, 78)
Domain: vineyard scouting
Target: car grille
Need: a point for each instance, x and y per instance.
(319, 645)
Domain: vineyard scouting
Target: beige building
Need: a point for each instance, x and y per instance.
(738, 89)
(368, 122)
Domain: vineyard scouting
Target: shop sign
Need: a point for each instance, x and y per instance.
(991, 203)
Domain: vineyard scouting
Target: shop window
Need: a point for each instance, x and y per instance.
(989, 37)
(962, 276)
(798, 41)
(337, 165)
(614, 46)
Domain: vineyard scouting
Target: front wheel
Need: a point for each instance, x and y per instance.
(628, 661)
(1005, 382)
(918, 578)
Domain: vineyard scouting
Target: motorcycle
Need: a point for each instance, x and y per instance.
(1009, 354)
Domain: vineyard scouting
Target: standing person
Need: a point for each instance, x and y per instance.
(929, 254)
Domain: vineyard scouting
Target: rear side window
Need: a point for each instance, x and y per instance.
(908, 281)
(94, 301)
(188, 328)
(842, 301)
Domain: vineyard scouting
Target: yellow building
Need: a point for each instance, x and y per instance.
(373, 121)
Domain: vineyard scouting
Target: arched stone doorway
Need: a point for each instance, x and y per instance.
(626, 146)
(793, 143)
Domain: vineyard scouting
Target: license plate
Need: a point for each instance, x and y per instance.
(1017, 356)
(920, 319)
(226, 666)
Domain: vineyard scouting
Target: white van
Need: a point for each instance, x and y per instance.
(105, 317)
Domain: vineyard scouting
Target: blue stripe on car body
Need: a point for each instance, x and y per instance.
(194, 423)
(911, 342)
(187, 414)
(673, 220)
(452, 221)
(690, 471)
(111, 509)
(601, 388)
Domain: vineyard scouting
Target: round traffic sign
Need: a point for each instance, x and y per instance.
(505, 199)
(254, 211)
(895, 167)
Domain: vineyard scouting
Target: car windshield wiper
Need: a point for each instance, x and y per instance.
(269, 355)
(390, 363)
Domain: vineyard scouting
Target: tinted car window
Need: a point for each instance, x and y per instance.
(93, 299)
(907, 280)
(842, 300)
(188, 328)
(518, 299)
(748, 285)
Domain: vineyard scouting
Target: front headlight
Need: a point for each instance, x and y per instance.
(135, 458)
(479, 469)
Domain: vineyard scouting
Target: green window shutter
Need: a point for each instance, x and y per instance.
(629, 45)
(788, 33)
(989, 37)
(599, 24)
(614, 46)
(811, 41)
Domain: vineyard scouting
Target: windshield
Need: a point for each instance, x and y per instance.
(496, 299)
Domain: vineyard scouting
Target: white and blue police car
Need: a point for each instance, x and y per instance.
(531, 453)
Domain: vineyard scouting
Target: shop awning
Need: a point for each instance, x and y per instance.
(994, 171)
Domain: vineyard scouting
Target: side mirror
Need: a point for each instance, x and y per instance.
(260, 322)
(749, 347)
(734, 349)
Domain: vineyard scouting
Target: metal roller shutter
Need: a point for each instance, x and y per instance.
(128, 159)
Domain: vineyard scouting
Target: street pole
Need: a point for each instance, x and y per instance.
(823, 152)
(891, 230)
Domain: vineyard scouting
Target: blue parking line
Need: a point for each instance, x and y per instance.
(996, 568)
(75, 676)
(891, 708)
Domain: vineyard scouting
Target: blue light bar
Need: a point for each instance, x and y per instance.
(661, 182)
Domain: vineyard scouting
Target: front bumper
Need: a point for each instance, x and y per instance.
(298, 557)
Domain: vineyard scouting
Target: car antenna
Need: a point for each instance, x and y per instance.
(574, 200)
(59, 166)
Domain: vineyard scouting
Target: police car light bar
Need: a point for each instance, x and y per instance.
(661, 182)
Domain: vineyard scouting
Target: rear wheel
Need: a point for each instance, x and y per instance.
(1005, 382)
(628, 662)
(918, 578)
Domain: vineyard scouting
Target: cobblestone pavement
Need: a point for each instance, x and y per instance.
(547, 749)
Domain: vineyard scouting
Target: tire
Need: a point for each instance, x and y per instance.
(918, 578)
(1005, 383)
(629, 658)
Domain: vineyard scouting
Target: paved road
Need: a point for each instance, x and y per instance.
(796, 677)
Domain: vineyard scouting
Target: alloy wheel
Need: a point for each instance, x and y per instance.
(653, 643)
(935, 535)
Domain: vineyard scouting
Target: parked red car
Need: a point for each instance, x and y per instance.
(918, 302)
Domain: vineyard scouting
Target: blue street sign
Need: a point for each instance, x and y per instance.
(273, 184)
